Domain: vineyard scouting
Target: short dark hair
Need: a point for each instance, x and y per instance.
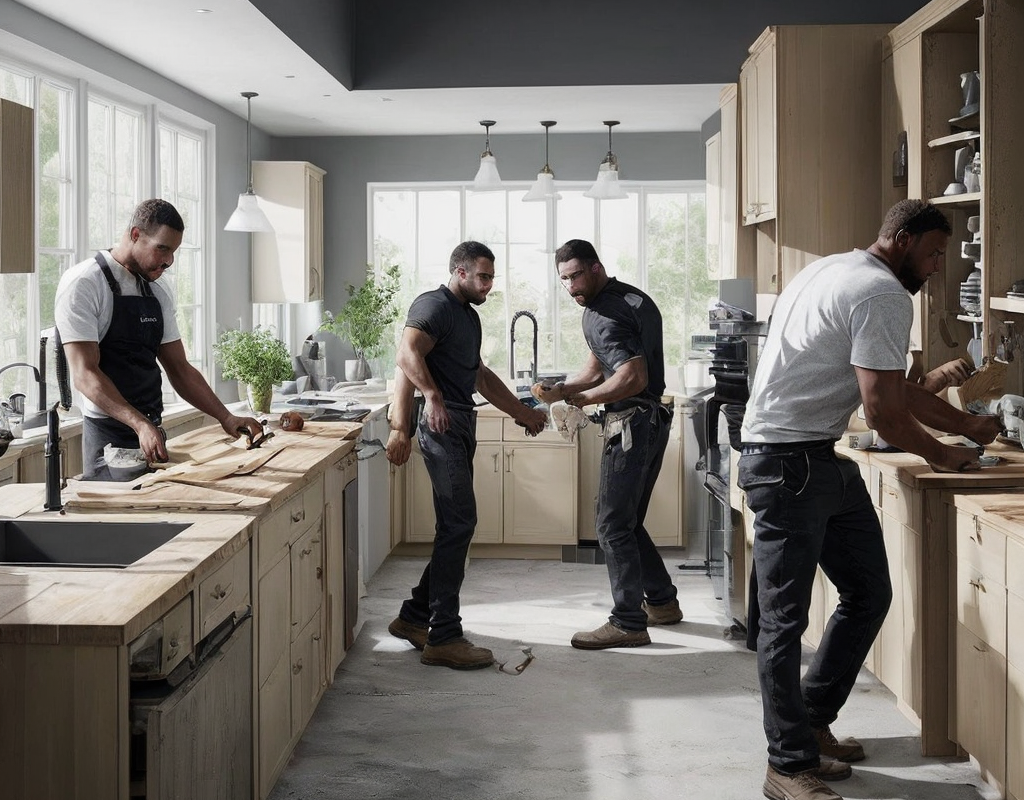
(151, 214)
(466, 254)
(915, 217)
(576, 248)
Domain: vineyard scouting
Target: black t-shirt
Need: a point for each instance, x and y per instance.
(620, 324)
(455, 329)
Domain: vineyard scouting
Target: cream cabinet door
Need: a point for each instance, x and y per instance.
(757, 104)
(487, 486)
(287, 265)
(540, 494)
(664, 515)
(713, 201)
(419, 498)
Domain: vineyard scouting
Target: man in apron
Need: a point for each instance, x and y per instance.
(115, 321)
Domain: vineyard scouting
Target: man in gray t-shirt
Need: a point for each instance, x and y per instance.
(838, 338)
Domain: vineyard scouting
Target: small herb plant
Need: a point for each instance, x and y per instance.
(370, 312)
(256, 357)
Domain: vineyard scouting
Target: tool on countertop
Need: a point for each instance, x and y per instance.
(255, 441)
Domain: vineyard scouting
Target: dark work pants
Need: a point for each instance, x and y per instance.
(811, 507)
(449, 461)
(636, 569)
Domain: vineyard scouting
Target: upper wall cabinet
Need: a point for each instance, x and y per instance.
(808, 112)
(730, 246)
(17, 189)
(930, 92)
(288, 264)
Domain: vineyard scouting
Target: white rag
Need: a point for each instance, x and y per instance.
(568, 419)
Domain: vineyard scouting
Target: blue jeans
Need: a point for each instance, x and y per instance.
(449, 461)
(811, 507)
(635, 568)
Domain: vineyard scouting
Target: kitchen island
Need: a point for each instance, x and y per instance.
(200, 663)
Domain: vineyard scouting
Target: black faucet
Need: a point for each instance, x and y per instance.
(52, 455)
(512, 345)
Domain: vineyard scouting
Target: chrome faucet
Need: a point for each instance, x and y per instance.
(39, 380)
(512, 345)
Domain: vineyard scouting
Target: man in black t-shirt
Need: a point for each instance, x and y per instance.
(440, 355)
(626, 372)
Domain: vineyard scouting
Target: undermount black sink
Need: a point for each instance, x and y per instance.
(45, 543)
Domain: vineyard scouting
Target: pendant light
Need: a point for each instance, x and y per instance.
(249, 217)
(487, 178)
(607, 187)
(544, 187)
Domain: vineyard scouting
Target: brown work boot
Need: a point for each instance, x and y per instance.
(457, 654)
(667, 614)
(846, 749)
(831, 770)
(413, 634)
(609, 635)
(799, 786)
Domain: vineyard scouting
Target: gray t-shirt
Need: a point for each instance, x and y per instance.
(455, 329)
(840, 312)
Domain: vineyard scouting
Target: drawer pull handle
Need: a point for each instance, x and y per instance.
(977, 584)
(304, 553)
(315, 541)
(172, 645)
(319, 573)
(218, 593)
(980, 649)
(316, 638)
(298, 516)
(297, 667)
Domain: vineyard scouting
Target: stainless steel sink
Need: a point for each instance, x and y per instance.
(45, 543)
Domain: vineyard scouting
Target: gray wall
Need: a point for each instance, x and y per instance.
(231, 255)
(353, 162)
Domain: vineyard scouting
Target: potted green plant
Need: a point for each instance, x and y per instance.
(367, 318)
(258, 359)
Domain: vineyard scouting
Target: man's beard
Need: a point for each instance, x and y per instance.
(911, 282)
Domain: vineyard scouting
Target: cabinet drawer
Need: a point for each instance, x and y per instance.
(1015, 567)
(307, 673)
(1015, 630)
(981, 702)
(307, 578)
(982, 547)
(981, 605)
(900, 501)
(287, 523)
(224, 592)
(488, 429)
(510, 432)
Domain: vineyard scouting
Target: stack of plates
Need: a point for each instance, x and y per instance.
(970, 293)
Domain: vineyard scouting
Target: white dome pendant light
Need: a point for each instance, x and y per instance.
(248, 216)
(544, 187)
(607, 187)
(487, 178)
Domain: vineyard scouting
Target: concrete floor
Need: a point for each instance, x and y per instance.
(680, 718)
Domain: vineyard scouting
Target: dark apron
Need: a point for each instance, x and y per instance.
(128, 357)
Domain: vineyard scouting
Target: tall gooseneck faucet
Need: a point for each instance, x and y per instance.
(512, 345)
(39, 380)
(52, 456)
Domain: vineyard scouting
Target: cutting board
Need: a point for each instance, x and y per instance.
(234, 462)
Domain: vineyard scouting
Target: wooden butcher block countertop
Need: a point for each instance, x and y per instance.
(101, 606)
(914, 471)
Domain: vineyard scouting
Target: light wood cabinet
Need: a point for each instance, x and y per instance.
(730, 244)
(525, 489)
(290, 651)
(288, 264)
(808, 98)
(336, 531)
(17, 189)
(924, 58)
(1015, 668)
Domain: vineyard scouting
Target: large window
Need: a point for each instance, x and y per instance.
(84, 204)
(655, 240)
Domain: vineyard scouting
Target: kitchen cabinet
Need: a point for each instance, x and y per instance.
(291, 671)
(526, 489)
(924, 58)
(340, 525)
(17, 189)
(809, 171)
(986, 688)
(288, 264)
(730, 244)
